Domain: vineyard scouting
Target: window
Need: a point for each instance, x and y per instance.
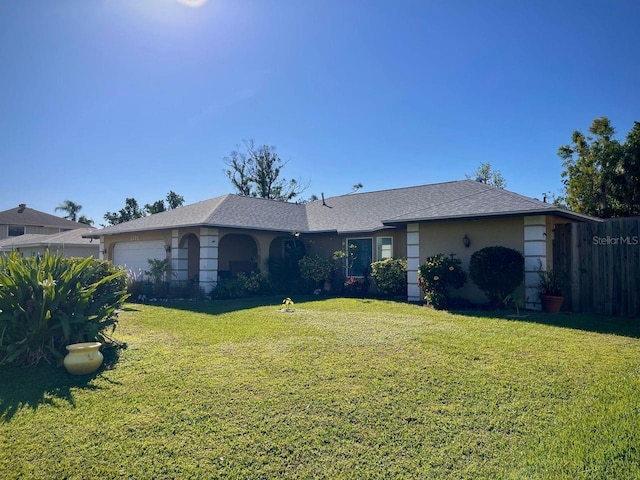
(384, 247)
(16, 230)
(360, 256)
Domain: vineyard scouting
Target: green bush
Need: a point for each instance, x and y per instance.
(437, 275)
(242, 285)
(99, 269)
(139, 289)
(316, 269)
(497, 271)
(257, 284)
(49, 302)
(390, 276)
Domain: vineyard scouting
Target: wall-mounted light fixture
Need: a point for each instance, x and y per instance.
(104, 251)
(167, 248)
(467, 241)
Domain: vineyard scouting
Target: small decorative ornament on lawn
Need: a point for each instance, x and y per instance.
(83, 358)
(288, 305)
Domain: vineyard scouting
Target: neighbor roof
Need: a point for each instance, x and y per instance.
(23, 215)
(353, 213)
(78, 237)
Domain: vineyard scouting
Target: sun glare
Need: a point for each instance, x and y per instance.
(193, 3)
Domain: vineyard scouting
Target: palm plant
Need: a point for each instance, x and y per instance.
(71, 208)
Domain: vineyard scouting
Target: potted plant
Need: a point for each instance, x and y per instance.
(551, 287)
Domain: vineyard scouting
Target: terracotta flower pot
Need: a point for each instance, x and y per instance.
(83, 358)
(551, 303)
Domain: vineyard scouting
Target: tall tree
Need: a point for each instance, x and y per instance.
(84, 219)
(155, 207)
(486, 174)
(71, 208)
(601, 175)
(174, 200)
(131, 211)
(255, 172)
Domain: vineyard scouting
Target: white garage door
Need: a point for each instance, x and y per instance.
(134, 255)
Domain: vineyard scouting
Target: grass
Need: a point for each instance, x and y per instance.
(340, 388)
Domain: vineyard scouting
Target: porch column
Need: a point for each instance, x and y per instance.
(208, 258)
(535, 257)
(178, 258)
(101, 254)
(413, 262)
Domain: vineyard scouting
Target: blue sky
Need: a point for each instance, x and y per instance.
(106, 99)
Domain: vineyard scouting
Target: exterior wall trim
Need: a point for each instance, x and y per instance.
(413, 262)
(535, 257)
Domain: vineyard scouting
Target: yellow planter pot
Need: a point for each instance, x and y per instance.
(83, 358)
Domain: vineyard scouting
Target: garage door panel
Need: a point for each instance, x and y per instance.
(134, 255)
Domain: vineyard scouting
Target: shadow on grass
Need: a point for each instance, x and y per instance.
(217, 307)
(32, 387)
(626, 327)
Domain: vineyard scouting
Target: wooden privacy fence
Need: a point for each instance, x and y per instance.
(603, 263)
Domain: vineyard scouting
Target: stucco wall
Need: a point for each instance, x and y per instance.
(446, 238)
(64, 251)
(325, 245)
(33, 229)
(111, 240)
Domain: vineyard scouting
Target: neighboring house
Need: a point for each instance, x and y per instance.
(23, 221)
(231, 233)
(72, 243)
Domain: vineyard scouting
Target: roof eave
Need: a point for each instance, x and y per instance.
(100, 233)
(522, 213)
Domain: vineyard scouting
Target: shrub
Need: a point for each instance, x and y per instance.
(257, 284)
(139, 289)
(552, 282)
(497, 271)
(358, 286)
(316, 269)
(437, 275)
(159, 270)
(390, 276)
(99, 269)
(285, 274)
(242, 285)
(49, 302)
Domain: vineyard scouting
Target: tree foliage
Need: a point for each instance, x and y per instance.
(601, 175)
(255, 172)
(171, 201)
(86, 220)
(71, 208)
(486, 174)
(132, 209)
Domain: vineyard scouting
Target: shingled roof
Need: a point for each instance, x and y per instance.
(358, 212)
(70, 238)
(23, 215)
(229, 210)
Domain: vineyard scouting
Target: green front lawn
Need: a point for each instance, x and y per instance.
(339, 388)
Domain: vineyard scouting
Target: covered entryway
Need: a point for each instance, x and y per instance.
(133, 256)
(191, 245)
(238, 253)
